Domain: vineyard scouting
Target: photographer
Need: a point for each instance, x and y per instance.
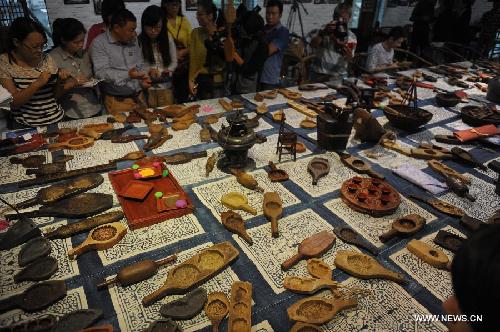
(334, 47)
(251, 47)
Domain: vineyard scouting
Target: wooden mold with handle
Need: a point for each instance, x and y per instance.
(429, 254)
(195, 271)
(364, 266)
(100, 238)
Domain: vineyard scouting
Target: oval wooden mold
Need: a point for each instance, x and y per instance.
(429, 254)
(318, 310)
(307, 285)
(33, 249)
(276, 174)
(195, 271)
(441, 206)
(41, 269)
(261, 109)
(100, 238)
(211, 119)
(47, 169)
(290, 94)
(163, 325)
(173, 111)
(33, 161)
(235, 224)
(84, 225)
(300, 147)
(319, 269)
(448, 240)
(313, 246)
(66, 189)
(216, 308)
(308, 123)
(237, 201)
(135, 155)
(303, 327)
(80, 206)
(359, 165)
(272, 207)
(447, 171)
(271, 94)
(404, 226)
(246, 180)
(318, 167)
(186, 307)
(364, 266)
(77, 320)
(37, 297)
(277, 116)
(372, 196)
(75, 143)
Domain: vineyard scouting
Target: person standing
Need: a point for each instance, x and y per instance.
(276, 37)
(159, 53)
(68, 35)
(117, 60)
(206, 66)
(180, 29)
(422, 17)
(108, 7)
(334, 47)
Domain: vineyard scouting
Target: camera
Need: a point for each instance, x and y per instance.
(338, 31)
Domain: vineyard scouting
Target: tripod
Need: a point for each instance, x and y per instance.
(295, 11)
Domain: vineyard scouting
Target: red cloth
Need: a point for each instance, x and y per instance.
(93, 32)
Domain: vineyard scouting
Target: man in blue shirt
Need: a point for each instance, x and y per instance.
(117, 59)
(277, 39)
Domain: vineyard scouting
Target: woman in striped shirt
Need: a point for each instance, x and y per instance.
(31, 77)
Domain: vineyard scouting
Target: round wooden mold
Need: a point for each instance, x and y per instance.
(371, 196)
(185, 274)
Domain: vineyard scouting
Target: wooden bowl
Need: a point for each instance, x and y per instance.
(447, 99)
(406, 117)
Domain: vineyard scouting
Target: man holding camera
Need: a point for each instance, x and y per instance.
(334, 47)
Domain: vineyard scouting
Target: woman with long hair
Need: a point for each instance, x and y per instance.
(180, 29)
(159, 53)
(68, 36)
(31, 77)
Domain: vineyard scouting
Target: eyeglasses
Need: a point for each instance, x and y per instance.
(201, 14)
(35, 48)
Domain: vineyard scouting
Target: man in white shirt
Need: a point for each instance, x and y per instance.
(380, 56)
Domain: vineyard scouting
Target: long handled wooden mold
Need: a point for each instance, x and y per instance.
(100, 238)
(194, 271)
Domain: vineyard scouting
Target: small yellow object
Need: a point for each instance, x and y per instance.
(147, 172)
